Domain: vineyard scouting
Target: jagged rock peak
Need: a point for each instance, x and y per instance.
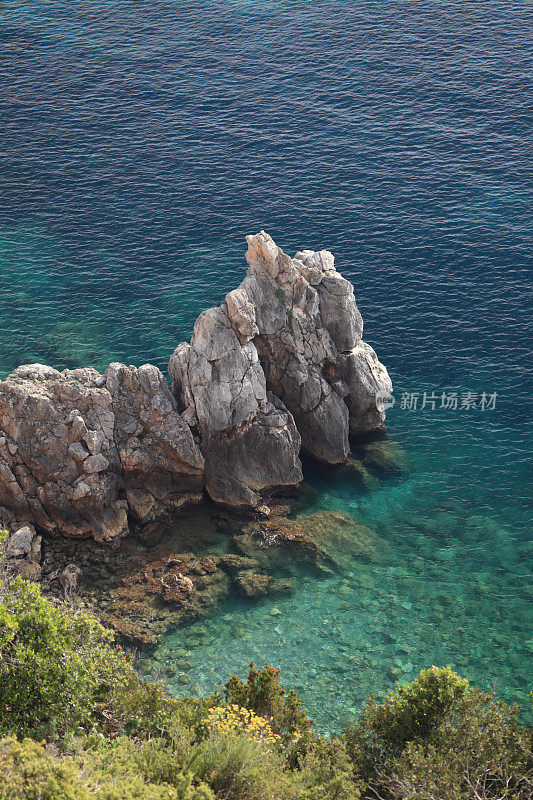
(291, 330)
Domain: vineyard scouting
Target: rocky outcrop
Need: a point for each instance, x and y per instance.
(283, 348)
(280, 365)
(162, 467)
(59, 465)
(85, 453)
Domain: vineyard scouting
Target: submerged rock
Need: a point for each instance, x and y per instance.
(160, 589)
(252, 585)
(385, 458)
(360, 475)
(234, 563)
(327, 539)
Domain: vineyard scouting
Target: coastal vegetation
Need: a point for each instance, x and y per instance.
(76, 723)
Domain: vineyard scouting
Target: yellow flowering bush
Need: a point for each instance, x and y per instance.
(236, 719)
(263, 694)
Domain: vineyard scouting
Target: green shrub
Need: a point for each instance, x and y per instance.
(327, 772)
(59, 672)
(229, 766)
(56, 670)
(477, 751)
(193, 711)
(412, 711)
(238, 767)
(29, 774)
(440, 738)
(108, 772)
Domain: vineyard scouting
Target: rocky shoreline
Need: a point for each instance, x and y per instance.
(178, 570)
(277, 370)
(278, 367)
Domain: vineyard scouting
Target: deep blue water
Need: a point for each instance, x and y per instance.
(142, 140)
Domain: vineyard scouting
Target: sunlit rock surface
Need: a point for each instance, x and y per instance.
(281, 358)
(85, 453)
(279, 366)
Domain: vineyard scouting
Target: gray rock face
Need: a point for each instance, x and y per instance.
(249, 440)
(292, 329)
(19, 543)
(366, 378)
(311, 349)
(261, 455)
(22, 549)
(43, 413)
(279, 365)
(80, 451)
(161, 464)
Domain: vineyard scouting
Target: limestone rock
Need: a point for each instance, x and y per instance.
(44, 412)
(366, 379)
(279, 365)
(20, 542)
(22, 551)
(281, 358)
(249, 439)
(162, 466)
(310, 347)
(80, 451)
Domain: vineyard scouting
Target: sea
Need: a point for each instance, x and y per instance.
(141, 141)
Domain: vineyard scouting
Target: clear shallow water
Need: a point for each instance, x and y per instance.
(142, 141)
(452, 587)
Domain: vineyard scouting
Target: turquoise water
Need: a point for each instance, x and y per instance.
(452, 588)
(142, 141)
